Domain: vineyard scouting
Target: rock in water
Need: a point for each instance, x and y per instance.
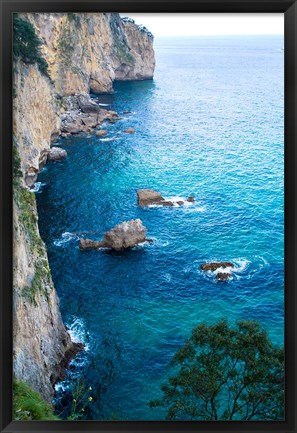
(56, 154)
(146, 197)
(191, 199)
(213, 266)
(101, 133)
(167, 203)
(223, 276)
(88, 244)
(129, 131)
(125, 235)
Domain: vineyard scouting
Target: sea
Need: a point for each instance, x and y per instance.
(209, 125)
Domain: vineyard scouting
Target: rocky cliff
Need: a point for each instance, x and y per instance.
(84, 52)
(87, 52)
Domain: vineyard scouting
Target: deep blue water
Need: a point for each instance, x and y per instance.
(210, 124)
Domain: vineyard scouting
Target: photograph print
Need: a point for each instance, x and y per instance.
(148, 217)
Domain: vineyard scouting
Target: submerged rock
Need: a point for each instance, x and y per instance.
(146, 197)
(167, 203)
(122, 236)
(129, 130)
(56, 154)
(101, 133)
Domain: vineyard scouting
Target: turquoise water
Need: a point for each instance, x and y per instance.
(210, 124)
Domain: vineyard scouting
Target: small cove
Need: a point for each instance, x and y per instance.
(210, 124)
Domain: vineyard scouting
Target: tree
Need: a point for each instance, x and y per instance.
(225, 373)
(26, 44)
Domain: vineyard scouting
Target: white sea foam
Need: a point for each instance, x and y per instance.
(243, 268)
(37, 187)
(241, 264)
(61, 387)
(107, 139)
(175, 199)
(77, 332)
(65, 238)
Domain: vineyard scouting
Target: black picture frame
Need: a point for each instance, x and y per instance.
(289, 8)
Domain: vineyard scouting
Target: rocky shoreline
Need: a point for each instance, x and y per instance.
(84, 53)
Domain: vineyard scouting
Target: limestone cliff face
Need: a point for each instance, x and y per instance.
(40, 338)
(85, 52)
(35, 118)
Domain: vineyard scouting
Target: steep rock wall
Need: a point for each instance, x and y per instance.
(40, 338)
(85, 52)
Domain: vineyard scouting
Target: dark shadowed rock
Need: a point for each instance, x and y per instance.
(166, 203)
(213, 266)
(64, 364)
(191, 199)
(146, 197)
(223, 276)
(180, 202)
(86, 104)
(88, 244)
(56, 154)
(129, 130)
(125, 235)
(127, 112)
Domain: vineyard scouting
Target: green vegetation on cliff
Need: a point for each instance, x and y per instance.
(225, 373)
(26, 44)
(28, 404)
(28, 223)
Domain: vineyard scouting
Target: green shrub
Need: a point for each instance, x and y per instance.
(225, 373)
(26, 44)
(29, 405)
(16, 173)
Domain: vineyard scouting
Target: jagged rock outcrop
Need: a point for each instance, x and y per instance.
(147, 197)
(125, 235)
(84, 52)
(56, 154)
(76, 121)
